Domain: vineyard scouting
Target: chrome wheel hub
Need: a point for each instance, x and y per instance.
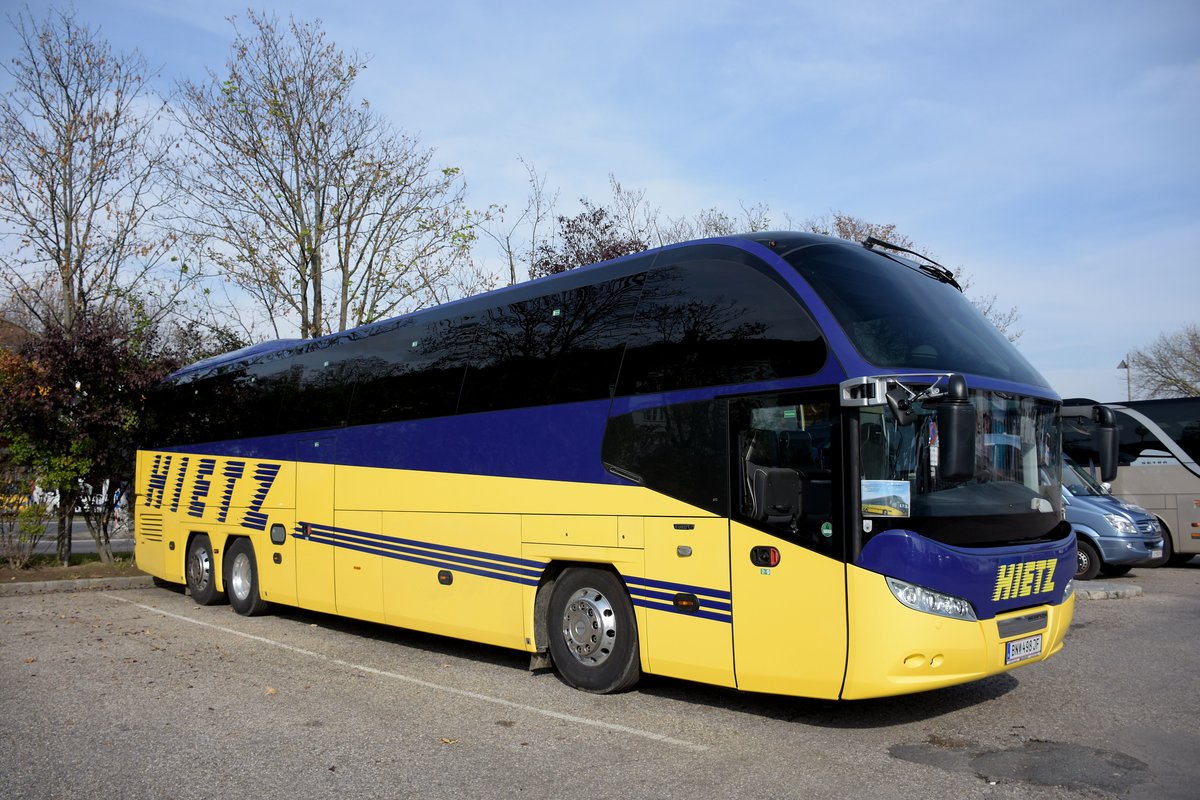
(240, 576)
(199, 568)
(589, 627)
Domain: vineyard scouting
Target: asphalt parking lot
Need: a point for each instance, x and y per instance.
(140, 693)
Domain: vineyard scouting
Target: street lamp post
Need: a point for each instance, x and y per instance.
(1125, 366)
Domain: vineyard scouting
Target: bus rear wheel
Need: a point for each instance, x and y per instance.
(593, 633)
(241, 579)
(199, 572)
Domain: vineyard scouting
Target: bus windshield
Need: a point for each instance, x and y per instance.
(903, 318)
(1014, 494)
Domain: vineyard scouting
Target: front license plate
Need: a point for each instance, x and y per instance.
(1021, 649)
(1156, 553)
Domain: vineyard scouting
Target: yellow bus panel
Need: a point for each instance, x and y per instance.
(789, 624)
(687, 561)
(896, 650)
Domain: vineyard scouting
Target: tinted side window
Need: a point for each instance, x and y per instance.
(213, 408)
(679, 450)
(558, 348)
(314, 391)
(1178, 418)
(715, 315)
(412, 371)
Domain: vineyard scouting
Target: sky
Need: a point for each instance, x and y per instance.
(1050, 149)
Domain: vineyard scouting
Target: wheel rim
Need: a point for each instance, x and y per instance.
(199, 568)
(1082, 562)
(589, 627)
(240, 576)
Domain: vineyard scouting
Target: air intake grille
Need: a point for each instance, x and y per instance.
(150, 527)
(1016, 626)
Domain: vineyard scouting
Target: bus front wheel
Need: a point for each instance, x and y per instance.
(199, 571)
(241, 579)
(593, 633)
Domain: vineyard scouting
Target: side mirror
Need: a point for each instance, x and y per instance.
(956, 432)
(1106, 441)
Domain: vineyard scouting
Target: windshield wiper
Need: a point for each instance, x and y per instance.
(932, 268)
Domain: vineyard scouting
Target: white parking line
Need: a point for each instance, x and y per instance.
(595, 723)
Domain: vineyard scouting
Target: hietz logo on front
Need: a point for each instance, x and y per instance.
(1024, 579)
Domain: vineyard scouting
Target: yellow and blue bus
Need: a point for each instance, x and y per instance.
(651, 465)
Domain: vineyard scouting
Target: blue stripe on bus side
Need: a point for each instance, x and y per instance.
(382, 546)
(670, 598)
(714, 603)
(680, 587)
(701, 612)
(460, 551)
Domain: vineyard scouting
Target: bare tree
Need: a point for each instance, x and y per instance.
(1168, 367)
(856, 229)
(634, 217)
(517, 235)
(81, 184)
(591, 236)
(716, 222)
(310, 202)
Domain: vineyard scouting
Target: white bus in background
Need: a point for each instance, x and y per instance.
(1159, 457)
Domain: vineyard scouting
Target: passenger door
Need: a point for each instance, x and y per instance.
(787, 566)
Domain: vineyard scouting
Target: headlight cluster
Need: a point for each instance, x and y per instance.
(1068, 590)
(1121, 525)
(919, 598)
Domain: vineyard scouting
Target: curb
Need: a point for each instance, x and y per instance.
(1108, 591)
(76, 585)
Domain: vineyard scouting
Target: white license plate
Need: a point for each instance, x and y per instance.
(1021, 649)
(1156, 553)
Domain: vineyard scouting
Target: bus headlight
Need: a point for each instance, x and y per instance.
(1068, 590)
(919, 598)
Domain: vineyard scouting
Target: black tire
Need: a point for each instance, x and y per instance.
(1169, 557)
(201, 572)
(1115, 570)
(241, 579)
(1167, 553)
(1087, 561)
(593, 633)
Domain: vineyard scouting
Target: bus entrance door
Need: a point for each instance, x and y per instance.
(789, 620)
